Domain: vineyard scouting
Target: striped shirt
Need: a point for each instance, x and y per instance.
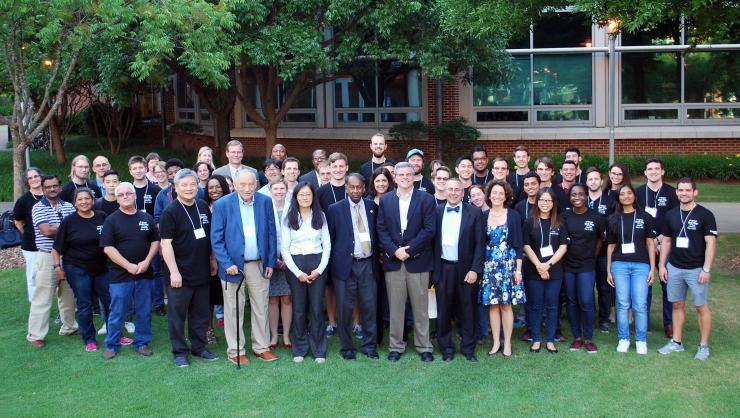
(44, 213)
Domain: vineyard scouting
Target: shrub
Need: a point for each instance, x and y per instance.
(409, 131)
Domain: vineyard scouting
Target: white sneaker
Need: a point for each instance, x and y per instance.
(103, 330)
(320, 360)
(298, 359)
(623, 346)
(130, 327)
(671, 347)
(641, 347)
(702, 353)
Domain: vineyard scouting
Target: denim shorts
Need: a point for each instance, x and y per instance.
(680, 280)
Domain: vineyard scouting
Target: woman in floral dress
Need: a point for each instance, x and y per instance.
(501, 286)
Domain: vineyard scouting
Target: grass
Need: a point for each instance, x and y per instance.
(63, 380)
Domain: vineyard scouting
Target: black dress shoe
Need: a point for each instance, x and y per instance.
(427, 357)
(471, 358)
(160, 310)
(447, 357)
(394, 356)
(372, 355)
(349, 355)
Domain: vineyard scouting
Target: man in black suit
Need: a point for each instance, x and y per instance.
(458, 262)
(353, 269)
(318, 157)
(406, 227)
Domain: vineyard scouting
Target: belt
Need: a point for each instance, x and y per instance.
(44, 251)
(252, 261)
(361, 258)
(448, 261)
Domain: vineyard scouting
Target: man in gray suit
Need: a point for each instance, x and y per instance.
(235, 153)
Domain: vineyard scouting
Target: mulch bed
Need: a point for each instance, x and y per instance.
(729, 264)
(11, 258)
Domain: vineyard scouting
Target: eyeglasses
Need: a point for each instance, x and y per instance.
(616, 174)
(127, 194)
(442, 178)
(33, 177)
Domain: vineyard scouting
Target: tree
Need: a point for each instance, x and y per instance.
(41, 44)
(250, 48)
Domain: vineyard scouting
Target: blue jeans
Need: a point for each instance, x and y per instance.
(158, 289)
(579, 288)
(543, 296)
(121, 294)
(84, 285)
(631, 282)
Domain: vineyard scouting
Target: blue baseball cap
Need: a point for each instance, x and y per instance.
(415, 151)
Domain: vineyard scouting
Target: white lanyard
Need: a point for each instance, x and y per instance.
(526, 209)
(684, 221)
(516, 179)
(143, 199)
(331, 186)
(542, 236)
(621, 222)
(83, 185)
(647, 195)
(191, 219)
(598, 202)
(485, 180)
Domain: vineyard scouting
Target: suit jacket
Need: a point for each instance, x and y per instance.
(227, 236)
(225, 171)
(310, 177)
(342, 236)
(420, 230)
(470, 244)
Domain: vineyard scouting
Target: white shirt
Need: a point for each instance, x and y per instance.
(451, 232)
(403, 208)
(353, 212)
(304, 241)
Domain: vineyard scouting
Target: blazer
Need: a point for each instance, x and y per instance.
(470, 246)
(342, 236)
(419, 234)
(227, 236)
(310, 177)
(225, 171)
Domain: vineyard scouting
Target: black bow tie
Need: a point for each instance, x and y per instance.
(455, 209)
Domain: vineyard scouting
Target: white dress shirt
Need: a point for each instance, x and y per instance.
(451, 232)
(304, 241)
(403, 208)
(353, 211)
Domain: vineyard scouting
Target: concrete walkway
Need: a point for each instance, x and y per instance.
(727, 214)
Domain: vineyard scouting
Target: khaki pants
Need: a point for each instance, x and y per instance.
(43, 297)
(258, 288)
(401, 284)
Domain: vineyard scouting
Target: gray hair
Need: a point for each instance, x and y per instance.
(402, 165)
(457, 179)
(185, 172)
(125, 185)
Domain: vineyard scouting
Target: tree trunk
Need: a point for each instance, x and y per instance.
(57, 141)
(221, 131)
(19, 164)
(270, 137)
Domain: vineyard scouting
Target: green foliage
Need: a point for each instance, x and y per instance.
(457, 130)
(409, 131)
(186, 127)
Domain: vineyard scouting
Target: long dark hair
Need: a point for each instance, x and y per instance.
(380, 171)
(535, 216)
(294, 214)
(626, 179)
(222, 182)
(617, 209)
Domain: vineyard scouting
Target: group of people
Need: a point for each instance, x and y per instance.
(383, 247)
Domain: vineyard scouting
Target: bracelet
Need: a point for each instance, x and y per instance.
(705, 270)
(57, 266)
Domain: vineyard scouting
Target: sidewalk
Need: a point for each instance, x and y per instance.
(727, 214)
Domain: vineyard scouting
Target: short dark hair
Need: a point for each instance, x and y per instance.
(593, 169)
(46, 177)
(687, 180)
(479, 148)
(82, 190)
(571, 162)
(531, 174)
(521, 148)
(573, 149)
(654, 160)
(357, 176)
(136, 159)
(174, 162)
(111, 173)
(463, 158)
(270, 161)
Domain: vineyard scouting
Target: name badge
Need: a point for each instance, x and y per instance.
(364, 236)
(448, 240)
(249, 231)
(628, 248)
(546, 251)
(143, 211)
(199, 233)
(652, 211)
(682, 242)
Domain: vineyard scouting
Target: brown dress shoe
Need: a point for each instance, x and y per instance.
(668, 331)
(109, 354)
(266, 356)
(38, 343)
(145, 351)
(243, 360)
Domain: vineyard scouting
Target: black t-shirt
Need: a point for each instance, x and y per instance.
(425, 185)
(516, 181)
(583, 230)
(68, 191)
(663, 200)
(146, 196)
(329, 194)
(131, 235)
(699, 223)
(78, 241)
(440, 201)
(524, 208)
(22, 212)
(533, 236)
(106, 206)
(644, 229)
(561, 195)
(482, 180)
(191, 255)
(600, 204)
(367, 168)
(580, 178)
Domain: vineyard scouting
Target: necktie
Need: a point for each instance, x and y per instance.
(455, 209)
(365, 245)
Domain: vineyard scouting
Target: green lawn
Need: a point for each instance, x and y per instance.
(62, 379)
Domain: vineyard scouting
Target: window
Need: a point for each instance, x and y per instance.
(552, 89)
(378, 93)
(188, 104)
(303, 111)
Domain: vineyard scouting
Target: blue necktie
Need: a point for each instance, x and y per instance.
(455, 209)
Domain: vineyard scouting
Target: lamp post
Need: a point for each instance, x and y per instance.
(612, 28)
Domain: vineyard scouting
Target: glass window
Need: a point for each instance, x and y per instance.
(356, 90)
(399, 84)
(514, 93)
(650, 114)
(562, 30)
(651, 77)
(562, 79)
(562, 115)
(713, 113)
(668, 33)
(503, 116)
(712, 77)
(185, 95)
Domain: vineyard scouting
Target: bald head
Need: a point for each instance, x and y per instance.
(245, 184)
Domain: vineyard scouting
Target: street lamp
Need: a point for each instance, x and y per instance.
(612, 27)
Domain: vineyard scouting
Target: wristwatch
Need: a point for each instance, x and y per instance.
(705, 270)
(57, 265)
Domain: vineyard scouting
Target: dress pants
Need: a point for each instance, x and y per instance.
(361, 281)
(191, 303)
(308, 305)
(415, 286)
(47, 286)
(455, 298)
(259, 290)
(30, 259)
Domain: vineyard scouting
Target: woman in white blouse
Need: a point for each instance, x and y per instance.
(305, 248)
